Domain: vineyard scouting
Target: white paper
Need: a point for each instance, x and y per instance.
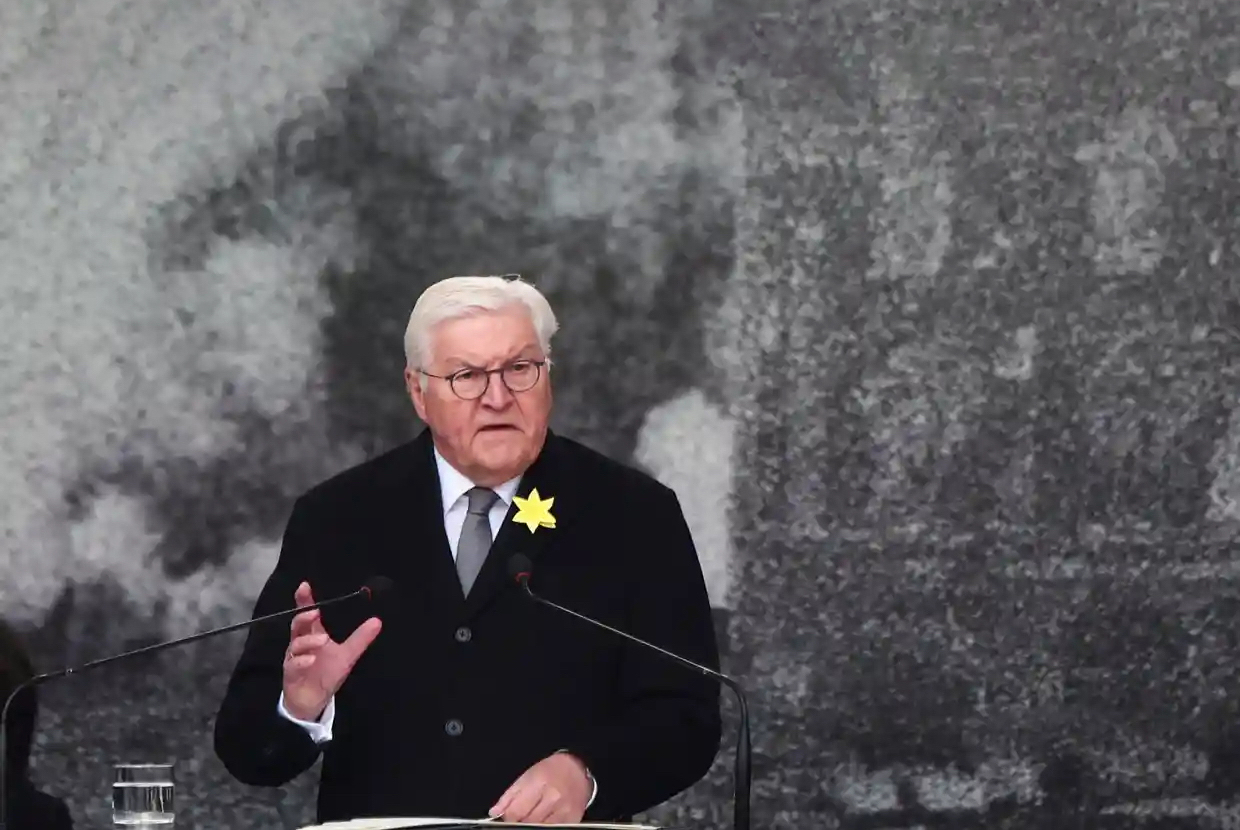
(423, 821)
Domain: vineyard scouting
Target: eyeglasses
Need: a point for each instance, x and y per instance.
(471, 384)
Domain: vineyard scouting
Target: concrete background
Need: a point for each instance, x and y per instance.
(929, 312)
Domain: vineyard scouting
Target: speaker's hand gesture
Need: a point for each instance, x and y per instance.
(315, 665)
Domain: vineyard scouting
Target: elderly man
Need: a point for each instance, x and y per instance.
(459, 696)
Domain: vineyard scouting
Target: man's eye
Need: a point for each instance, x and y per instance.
(465, 374)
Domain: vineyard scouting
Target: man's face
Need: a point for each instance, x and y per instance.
(493, 438)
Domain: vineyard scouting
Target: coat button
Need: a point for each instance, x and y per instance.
(454, 727)
(463, 634)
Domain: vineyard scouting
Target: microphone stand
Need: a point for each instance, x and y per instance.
(743, 776)
(39, 679)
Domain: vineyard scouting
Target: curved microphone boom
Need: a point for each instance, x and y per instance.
(520, 567)
(373, 588)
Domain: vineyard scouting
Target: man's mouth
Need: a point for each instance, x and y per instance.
(497, 428)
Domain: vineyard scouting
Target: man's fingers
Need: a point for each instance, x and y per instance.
(563, 814)
(300, 662)
(546, 807)
(308, 622)
(360, 639)
(504, 804)
(524, 801)
(506, 799)
(307, 643)
(303, 596)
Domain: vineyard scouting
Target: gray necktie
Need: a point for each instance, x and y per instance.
(475, 541)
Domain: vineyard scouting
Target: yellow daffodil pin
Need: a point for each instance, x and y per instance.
(534, 512)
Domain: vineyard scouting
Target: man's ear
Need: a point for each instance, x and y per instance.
(413, 385)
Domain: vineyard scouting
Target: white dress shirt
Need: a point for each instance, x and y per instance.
(453, 487)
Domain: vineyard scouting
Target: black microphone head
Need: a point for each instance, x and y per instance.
(519, 567)
(377, 586)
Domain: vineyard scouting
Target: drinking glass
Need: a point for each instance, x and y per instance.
(142, 795)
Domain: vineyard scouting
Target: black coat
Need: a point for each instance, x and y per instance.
(457, 697)
(32, 809)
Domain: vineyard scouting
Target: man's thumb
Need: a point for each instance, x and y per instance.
(360, 639)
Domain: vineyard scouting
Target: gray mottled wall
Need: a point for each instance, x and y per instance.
(928, 311)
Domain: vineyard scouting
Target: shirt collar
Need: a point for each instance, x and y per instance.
(453, 485)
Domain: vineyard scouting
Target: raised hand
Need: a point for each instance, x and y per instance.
(315, 665)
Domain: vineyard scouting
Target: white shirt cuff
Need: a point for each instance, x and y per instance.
(320, 730)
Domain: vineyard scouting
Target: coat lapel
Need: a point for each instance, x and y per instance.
(547, 476)
(423, 512)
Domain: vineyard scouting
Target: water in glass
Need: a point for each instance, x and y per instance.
(142, 795)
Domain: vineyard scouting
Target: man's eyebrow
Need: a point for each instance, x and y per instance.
(519, 354)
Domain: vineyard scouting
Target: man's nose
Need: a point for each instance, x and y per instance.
(497, 395)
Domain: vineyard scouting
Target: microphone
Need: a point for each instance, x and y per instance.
(519, 567)
(375, 586)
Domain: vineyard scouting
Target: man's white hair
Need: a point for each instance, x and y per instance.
(456, 297)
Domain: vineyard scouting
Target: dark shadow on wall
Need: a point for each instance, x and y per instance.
(618, 353)
(622, 348)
